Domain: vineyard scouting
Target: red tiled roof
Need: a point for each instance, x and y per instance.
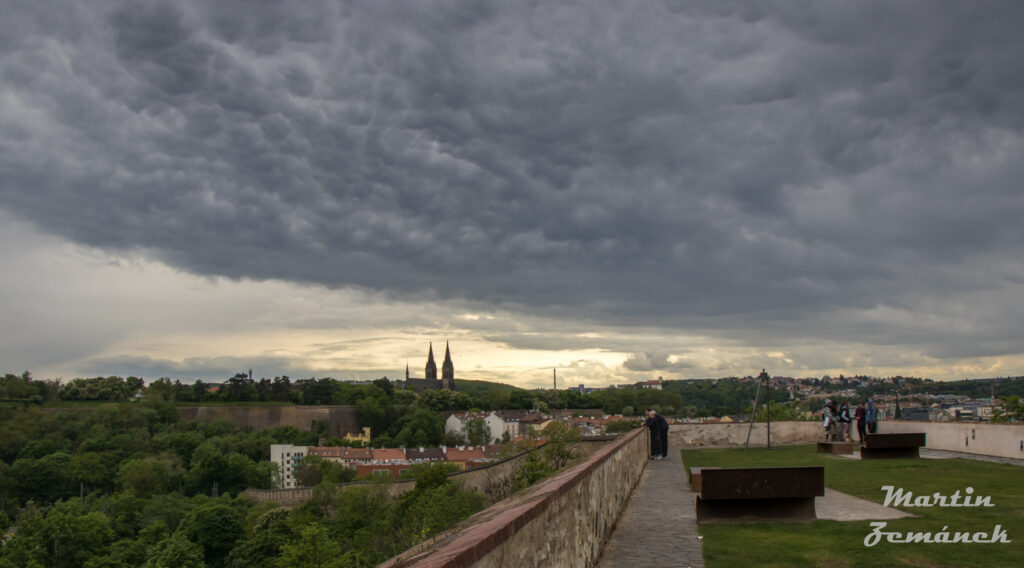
(327, 451)
(466, 453)
(339, 452)
(389, 454)
(435, 454)
(358, 454)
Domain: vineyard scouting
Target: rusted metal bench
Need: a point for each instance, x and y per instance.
(695, 477)
(892, 445)
(759, 493)
(835, 447)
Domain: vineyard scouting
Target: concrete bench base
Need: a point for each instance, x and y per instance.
(796, 509)
(835, 447)
(889, 446)
(889, 453)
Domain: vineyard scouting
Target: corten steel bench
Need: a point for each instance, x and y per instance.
(892, 445)
(759, 493)
(695, 477)
(835, 447)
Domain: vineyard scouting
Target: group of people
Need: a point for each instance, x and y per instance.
(837, 425)
(837, 420)
(659, 434)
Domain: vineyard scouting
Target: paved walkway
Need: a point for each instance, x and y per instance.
(930, 454)
(839, 506)
(948, 454)
(659, 526)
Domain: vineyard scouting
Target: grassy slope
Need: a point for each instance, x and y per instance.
(839, 544)
(466, 385)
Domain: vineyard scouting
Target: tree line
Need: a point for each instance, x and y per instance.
(128, 485)
(377, 399)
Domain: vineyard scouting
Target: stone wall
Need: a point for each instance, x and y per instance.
(735, 434)
(493, 480)
(340, 420)
(299, 495)
(1002, 440)
(562, 521)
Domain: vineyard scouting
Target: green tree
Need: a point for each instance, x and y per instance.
(215, 527)
(1011, 410)
(43, 478)
(175, 551)
(314, 549)
(313, 470)
(67, 537)
(268, 529)
(560, 436)
(622, 426)
(478, 432)
(161, 390)
(149, 476)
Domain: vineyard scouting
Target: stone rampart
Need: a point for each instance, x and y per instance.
(731, 435)
(493, 480)
(1002, 440)
(340, 420)
(561, 521)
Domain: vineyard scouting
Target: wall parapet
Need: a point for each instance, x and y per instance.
(561, 521)
(731, 435)
(1000, 440)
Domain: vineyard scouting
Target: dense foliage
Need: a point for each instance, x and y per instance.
(127, 485)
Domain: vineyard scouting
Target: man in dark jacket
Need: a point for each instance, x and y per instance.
(655, 434)
(659, 435)
(860, 415)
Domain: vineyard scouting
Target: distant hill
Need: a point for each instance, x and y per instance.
(482, 387)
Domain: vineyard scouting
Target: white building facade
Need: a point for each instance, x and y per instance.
(287, 457)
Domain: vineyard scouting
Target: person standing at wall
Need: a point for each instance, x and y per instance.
(658, 425)
(858, 415)
(871, 417)
(829, 421)
(655, 434)
(844, 422)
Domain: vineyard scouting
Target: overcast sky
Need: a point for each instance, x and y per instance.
(619, 190)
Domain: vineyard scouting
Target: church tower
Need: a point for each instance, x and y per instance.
(447, 370)
(431, 372)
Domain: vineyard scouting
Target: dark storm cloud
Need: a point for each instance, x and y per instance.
(723, 165)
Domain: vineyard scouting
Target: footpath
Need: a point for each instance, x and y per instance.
(659, 526)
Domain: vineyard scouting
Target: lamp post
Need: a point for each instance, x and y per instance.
(897, 414)
(768, 395)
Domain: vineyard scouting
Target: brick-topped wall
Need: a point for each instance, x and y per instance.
(735, 434)
(1002, 440)
(562, 521)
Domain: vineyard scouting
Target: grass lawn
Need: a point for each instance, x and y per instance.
(839, 544)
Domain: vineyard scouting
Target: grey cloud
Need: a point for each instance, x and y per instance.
(682, 164)
(646, 362)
